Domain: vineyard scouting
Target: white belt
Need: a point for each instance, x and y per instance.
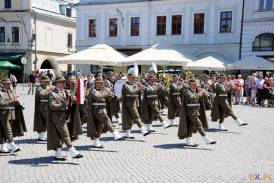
(132, 95)
(191, 105)
(44, 101)
(152, 96)
(222, 95)
(8, 108)
(101, 104)
(175, 93)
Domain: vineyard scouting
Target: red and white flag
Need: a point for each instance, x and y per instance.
(80, 91)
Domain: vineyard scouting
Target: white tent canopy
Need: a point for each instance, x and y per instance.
(208, 63)
(252, 63)
(160, 54)
(100, 54)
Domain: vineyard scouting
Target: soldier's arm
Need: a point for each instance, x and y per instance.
(54, 104)
(4, 102)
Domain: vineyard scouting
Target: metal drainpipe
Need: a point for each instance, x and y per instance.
(149, 21)
(241, 36)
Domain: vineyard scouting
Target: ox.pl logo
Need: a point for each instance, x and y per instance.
(260, 177)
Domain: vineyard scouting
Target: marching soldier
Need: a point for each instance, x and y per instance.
(150, 103)
(99, 122)
(193, 117)
(221, 107)
(174, 103)
(58, 132)
(12, 122)
(41, 108)
(113, 105)
(131, 96)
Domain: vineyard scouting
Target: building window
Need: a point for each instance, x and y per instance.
(92, 28)
(199, 23)
(7, 3)
(113, 27)
(70, 40)
(135, 23)
(68, 12)
(263, 42)
(266, 5)
(226, 21)
(176, 24)
(2, 34)
(15, 35)
(161, 25)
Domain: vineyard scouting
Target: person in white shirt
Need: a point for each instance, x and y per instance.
(14, 82)
(260, 88)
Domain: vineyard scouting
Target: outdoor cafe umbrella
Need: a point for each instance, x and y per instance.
(208, 63)
(160, 54)
(8, 65)
(100, 54)
(252, 63)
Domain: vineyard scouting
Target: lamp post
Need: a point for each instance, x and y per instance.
(23, 61)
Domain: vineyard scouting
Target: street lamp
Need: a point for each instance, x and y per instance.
(23, 61)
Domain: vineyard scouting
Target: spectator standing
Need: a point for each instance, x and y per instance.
(253, 95)
(260, 88)
(31, 80)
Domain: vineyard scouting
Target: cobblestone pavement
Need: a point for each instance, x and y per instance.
(243, 154)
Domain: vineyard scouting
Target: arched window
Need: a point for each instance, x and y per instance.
(46, 65)
(263, 42)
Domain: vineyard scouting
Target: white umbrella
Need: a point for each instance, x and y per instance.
(100, 54)
(252, 63)
(208, 63)
(159, 54)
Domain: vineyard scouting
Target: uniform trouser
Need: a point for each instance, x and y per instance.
(196, 124)
(155, 110)
(44, 118)
(5, 131)
(102, 120)
(224, 108)
(134, 116)
(63, 131)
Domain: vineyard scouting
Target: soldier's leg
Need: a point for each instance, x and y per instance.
(197, 124)
(63, 131)
(136, 118)
(156, 111)
(8, 135)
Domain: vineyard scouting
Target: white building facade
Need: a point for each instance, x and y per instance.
(258, 29)
(40, 31)
(199, 27)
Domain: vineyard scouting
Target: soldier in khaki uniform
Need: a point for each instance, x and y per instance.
(174, 101)
(7, 117)
(99, 122)
(58, 132)
(221, 107)
(113, 105)
(41, 108)
(193, 118)
(131, 93)
(150, 103)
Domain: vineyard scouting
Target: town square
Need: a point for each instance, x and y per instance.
(137, 91)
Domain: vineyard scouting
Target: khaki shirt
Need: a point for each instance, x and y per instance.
(132, 93)
(7, 103)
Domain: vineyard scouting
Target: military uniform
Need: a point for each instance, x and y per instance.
(41, 108)
(150, 104)
(221, 107)
(99, 122)
(112, 105)
(131, 96)
(10, 120)
(193, 117)
(58, 132)
(174, 100)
